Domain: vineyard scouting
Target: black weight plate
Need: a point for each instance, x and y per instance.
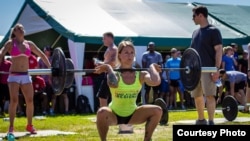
(69, 75)
(164, 118)
(191, 59)
(229, 108)
(58, 71)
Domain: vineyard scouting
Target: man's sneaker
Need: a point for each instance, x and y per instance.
(201, 122)
(170, 107)
(51, 112)
(183, 107)
(44, 113)
(210, 122)
(31, 129)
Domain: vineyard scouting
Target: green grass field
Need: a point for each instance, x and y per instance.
(86, 130)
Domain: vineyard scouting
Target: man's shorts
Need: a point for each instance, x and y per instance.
(206, 86)
(174, 82)
(164, 87)
(155, 88)
(104, 91)
(5, 93)
(177, 83)
(20, 79)
(237, 86)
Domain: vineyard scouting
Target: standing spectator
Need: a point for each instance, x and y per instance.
(65, 100)
(207, 41)
(48, 89)
(164, 86)
(40, 97)
(228, 64)
(175, 83)
(149, 57)
(110, 57)
(5, 94)
(235, 54)
(33, 63)
(228, 60)
(243, 64)
(20, 49)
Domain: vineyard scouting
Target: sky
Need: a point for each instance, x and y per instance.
(10, 8)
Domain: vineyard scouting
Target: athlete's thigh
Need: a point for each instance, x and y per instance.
(142, 113)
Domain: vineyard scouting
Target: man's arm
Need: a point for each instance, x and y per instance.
(218, 55)
(232, 88)
(143, 62)
(111, 58)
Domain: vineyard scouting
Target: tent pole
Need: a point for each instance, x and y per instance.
(52, 46)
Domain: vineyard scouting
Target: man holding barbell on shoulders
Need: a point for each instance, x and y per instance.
(124, 87)
(20, 50)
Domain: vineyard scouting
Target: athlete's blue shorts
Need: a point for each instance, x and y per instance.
(20, 78)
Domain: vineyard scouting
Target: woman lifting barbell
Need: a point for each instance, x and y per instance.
(124, 87)
(20, 50)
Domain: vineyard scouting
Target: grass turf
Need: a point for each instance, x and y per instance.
(86, 130)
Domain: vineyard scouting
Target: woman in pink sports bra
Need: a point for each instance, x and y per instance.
(20, 50)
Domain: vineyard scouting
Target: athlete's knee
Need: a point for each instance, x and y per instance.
(157, 110)
(102, 111)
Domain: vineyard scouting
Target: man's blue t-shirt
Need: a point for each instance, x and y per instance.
(235, 76)
(229, 63)
(173, 63)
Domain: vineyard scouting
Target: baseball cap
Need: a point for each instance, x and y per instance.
(245, 51)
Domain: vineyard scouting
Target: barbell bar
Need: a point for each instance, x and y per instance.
(62, 71)
(85, 71)
(187, 69)
(230, 107)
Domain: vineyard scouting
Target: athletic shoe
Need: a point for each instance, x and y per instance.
(51, 112)
(201, 122)
(210, 122)
(44, 113)
(170, 107)
(126, 129)
(183, 107)
(10, 137)
(31, 129)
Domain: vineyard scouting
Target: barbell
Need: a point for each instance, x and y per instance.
(230, 107)
(62, 70)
